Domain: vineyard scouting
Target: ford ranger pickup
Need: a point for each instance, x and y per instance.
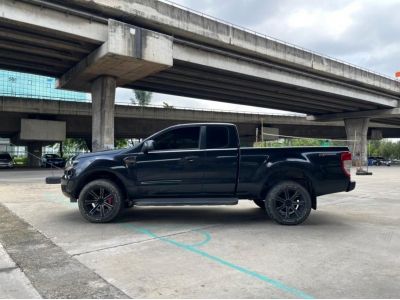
(203, 164)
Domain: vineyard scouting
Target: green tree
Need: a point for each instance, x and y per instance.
(166, 105)
(385, 148)
(71, 146)
(287, 142)
(121, 143)
(142, 98)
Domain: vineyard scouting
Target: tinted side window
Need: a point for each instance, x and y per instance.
(217, 137)
(181, 138)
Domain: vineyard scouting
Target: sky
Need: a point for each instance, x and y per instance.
(362, 32)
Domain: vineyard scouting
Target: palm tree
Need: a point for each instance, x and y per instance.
(142, 98)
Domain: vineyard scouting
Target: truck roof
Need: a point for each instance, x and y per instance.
(202, 124)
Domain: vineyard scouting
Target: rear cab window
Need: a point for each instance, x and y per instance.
(221, 137)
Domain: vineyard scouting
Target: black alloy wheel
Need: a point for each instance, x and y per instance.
(100, 201)
(288, 203)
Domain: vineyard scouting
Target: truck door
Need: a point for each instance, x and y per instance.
(221, 160)
(174, 167)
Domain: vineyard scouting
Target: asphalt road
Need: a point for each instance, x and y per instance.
(348, 248)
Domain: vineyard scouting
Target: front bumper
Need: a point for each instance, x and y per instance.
(351, 186)
(67, 188)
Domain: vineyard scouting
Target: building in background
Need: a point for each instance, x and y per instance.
(3, 144)
(24, 85)
(15, 151)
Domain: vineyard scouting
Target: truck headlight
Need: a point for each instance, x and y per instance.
(71, 162)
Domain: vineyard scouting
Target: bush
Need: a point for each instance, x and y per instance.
(21, 161)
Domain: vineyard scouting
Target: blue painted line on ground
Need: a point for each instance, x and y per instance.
(207, 238)
(193, 248)
(276, 283)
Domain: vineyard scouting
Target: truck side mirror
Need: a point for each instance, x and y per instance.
(148, 146)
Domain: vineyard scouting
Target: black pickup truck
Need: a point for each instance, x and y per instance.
(203, 164)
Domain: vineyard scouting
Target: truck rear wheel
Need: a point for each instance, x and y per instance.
(288, 203)
(100, 201)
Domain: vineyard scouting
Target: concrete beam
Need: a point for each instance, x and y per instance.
(242, 82)
(43, 19)
(30, 67)
(10, 106)
(203, 94)
(204, 89)
(203, 29)
(130, 53)
(266, 71)
(375, 113)
(238, 90)
(41, 40)
(13, 46)
(133, 121)
(26, 57)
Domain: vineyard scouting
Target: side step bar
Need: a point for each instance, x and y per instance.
(184, 201)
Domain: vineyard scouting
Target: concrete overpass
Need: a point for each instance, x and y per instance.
(140, 122)
(96, 45)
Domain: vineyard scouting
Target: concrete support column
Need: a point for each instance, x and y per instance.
(103, 99)
(357, 129)
(89, 144)
(34, 154)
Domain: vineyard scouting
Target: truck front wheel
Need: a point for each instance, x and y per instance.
(288, 203)
(100, 201)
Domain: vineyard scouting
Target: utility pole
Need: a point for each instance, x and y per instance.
(257, 135)
(262, 131)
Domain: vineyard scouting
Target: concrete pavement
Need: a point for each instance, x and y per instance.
(13, 282)
(53, 272)
(348, 248)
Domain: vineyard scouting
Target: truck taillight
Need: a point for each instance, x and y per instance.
(345, 158)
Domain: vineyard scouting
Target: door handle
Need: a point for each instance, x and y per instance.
(190, 159)
(130, 160)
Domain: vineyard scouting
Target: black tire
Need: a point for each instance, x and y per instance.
(100, 201)
(288, 203)
(260, 203)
